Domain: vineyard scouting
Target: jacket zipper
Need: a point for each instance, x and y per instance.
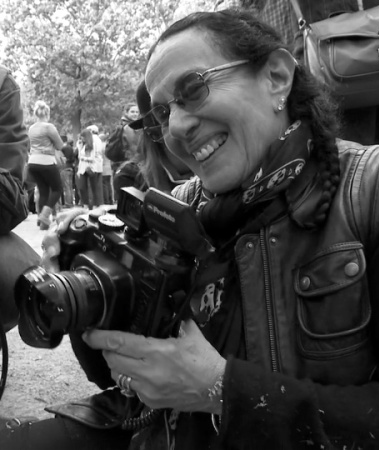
(269, 306)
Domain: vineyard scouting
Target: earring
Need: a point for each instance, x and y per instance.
(282, 103)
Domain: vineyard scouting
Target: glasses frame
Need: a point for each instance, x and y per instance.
(148, 130)
(201, 76)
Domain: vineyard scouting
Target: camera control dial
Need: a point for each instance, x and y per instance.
(109, 222)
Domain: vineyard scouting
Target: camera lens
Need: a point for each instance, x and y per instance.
(55, 304)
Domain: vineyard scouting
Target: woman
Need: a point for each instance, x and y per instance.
(107, 174)
(90, 169)
(122, 143)
(282, 351)
(42, 165)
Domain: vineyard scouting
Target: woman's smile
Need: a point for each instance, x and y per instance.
(208, 149)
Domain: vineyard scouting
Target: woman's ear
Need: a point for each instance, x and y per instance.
(279, 69)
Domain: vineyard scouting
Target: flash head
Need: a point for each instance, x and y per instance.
(167, 216)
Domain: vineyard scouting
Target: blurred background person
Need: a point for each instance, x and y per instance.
(130, 136)
(123, 141)
(42, 166)
(90, 170)
(77, 145)
(67, 173)
(107, 174)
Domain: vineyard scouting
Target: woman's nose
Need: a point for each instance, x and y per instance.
(181, 123)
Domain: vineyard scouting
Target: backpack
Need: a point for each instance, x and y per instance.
(116, 147)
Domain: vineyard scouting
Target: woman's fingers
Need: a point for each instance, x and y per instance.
(172, 373)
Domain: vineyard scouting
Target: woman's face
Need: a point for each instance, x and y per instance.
(133, 113)
(224, 139)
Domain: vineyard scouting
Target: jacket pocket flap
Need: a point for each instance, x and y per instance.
(335, 268)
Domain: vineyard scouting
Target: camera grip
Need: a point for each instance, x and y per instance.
(91, 361)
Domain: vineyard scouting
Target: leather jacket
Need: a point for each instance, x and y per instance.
(310, 324)
(310, 321)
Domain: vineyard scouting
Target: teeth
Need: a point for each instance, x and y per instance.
(210, 148)
(204, 153)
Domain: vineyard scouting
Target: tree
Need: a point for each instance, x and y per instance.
(85, 58)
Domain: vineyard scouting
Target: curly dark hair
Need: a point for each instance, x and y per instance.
(238, 34)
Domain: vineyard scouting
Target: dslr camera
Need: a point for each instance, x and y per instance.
(128, 269)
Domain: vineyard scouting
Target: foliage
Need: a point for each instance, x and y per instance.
(83, 57)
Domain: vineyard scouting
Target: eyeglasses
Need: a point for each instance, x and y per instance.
(190, 91)
(154, 132)
(152, 128)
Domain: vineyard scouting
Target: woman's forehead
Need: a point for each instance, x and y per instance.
(187, 51)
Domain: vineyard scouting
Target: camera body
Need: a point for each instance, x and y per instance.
(129, 269)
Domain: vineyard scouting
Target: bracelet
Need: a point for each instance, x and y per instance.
(215, 392)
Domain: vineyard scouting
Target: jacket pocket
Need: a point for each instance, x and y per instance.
(333, 305)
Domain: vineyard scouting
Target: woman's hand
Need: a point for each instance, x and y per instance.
(166, 373)
(50, 243)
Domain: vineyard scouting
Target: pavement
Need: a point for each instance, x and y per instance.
(30, 232)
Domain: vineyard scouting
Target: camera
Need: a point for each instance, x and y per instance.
(128, 269)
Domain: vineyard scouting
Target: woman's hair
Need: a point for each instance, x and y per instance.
(148, 157)
(41, 110)
(87, 138)
(238, 34)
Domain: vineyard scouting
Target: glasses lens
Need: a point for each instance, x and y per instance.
(155, 133)
(192, 89)
(149, 120)
(161, 114)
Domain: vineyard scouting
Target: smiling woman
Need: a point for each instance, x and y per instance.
(281, 349)
(223, 104)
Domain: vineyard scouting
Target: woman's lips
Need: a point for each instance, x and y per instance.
(207, 150)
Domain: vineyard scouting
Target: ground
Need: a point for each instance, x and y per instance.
(40, 377)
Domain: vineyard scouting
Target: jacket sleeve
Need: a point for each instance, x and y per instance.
(14, 146)
(272, 410)
(14, 141)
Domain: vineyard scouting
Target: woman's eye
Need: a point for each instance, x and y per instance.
(163, 115)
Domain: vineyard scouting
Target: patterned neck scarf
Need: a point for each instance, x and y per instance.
(223, 215)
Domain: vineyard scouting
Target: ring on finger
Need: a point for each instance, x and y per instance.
(123, 382)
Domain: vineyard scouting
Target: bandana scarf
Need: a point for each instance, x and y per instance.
(223, 215)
